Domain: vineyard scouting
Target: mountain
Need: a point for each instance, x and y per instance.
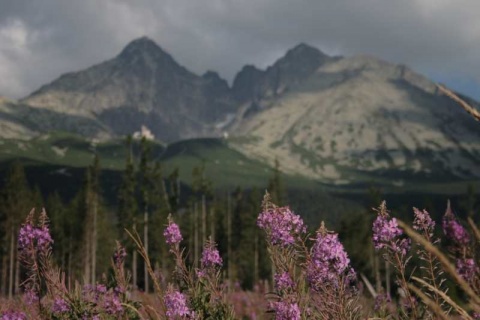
(361, 119)
(143, 85)
(341, 120)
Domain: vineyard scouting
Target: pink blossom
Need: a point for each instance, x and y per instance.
(172, 234)
(281, 225)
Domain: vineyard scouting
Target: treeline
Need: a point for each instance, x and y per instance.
(85, 228)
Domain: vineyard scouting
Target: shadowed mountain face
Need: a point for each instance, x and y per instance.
(143, 85)
(341, 120)
(254, 85)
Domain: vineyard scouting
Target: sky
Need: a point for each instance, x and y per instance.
(42, 39)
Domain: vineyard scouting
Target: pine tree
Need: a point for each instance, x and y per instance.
(127, 205)
(145, 196)
(275, 186)
(58, 215)
(159, 208)
(16, 202)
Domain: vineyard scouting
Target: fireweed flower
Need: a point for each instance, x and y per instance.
(467, 269)
(422, 220)
(453, 230)
(30, 297)
(283, 281)
(26, 236)
(119, 255)
(210, 256)
(386, 233)
(285, 310)
(172, 233)
(29, 236)
(176, 304)
(13, 315)
(381, 301)
(112, 305)
(281, 225)
(329, 261)
(60, 306)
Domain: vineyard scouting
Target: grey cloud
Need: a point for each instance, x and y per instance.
(440, 38)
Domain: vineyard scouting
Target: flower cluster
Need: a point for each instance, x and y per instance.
(30, 296)
(176, 304)
(13, 315)
(285, 310)
(281, 225)
(104, 299)
(453, 230)
(112, 304)
(210, 256)
(381, 301)
(422, 220)
(30, 235)
(385, 231)
(60, 306)
(172, 233)
(119, 255)
(328, 261)
(467, 268)
(283, 281)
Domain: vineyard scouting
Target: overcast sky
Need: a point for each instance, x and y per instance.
(41, 39)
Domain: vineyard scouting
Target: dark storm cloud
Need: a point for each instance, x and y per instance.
(41, 39)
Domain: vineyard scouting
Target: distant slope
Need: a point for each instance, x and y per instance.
(224, 166)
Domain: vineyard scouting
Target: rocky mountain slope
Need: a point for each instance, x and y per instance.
(358, 118)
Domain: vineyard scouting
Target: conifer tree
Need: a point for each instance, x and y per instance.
(276, 188)
(58, 215)
(145, 196)
(16, 202)
(127, 204)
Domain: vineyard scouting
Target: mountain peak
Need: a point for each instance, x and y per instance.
(302, 52)
(141, 46)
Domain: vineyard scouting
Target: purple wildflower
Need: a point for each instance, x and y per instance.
(30, 297)
(13, 315)
(26, 235)
(283, 281)
(119, 255)
(281, 225)
(176, 304)
(29, 236)
(329, 260)
(285, 310)
(467, 269)
(381, 301)
(423, 221)
(385, 231)
(172, 233)
(43, 236)
(60, 306)
(453, 230)
(210, 256)
(112, 305)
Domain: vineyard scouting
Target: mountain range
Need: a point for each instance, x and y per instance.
(340, 120)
